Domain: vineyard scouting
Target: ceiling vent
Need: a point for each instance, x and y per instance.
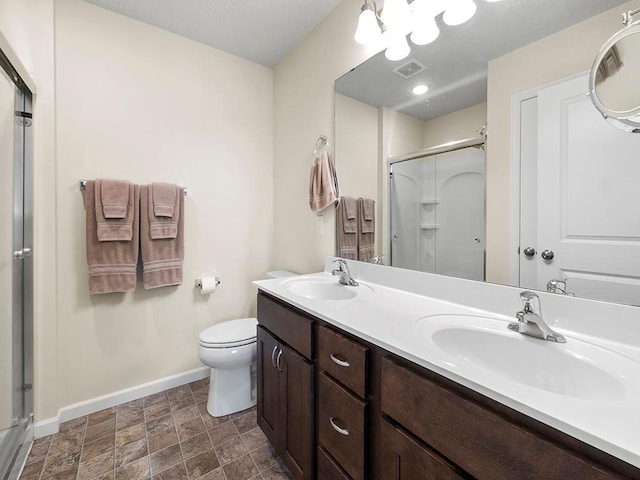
(409, 69)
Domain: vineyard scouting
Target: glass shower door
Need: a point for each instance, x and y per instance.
(15, 364)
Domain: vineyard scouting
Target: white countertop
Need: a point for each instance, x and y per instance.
(386, 317)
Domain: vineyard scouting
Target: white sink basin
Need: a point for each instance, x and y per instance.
(575, 369)
(319, 288)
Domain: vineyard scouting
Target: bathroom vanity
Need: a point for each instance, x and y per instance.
(347, 388)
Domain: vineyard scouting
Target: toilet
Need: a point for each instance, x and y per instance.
(229, 349)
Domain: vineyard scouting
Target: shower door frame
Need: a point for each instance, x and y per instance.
(17, 439)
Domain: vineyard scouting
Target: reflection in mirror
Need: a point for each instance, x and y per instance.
(559, 181)
(615, 77)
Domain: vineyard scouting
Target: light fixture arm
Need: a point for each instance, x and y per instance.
(627, 17)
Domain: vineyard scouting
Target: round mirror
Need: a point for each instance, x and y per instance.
(614, 83)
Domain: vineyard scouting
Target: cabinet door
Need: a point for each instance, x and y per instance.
(298, 393)
(272, 407)
(405, 459)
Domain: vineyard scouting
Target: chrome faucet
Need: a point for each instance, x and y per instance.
(343, 273)
(530, 320)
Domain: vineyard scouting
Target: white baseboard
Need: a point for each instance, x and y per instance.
(51, 425)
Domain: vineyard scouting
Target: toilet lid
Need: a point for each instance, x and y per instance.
(230, 333)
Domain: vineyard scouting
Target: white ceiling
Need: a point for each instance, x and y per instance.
(263, 31)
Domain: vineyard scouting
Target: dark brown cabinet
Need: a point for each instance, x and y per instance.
(286, 401)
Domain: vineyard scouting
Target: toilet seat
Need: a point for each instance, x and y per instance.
(233, 333)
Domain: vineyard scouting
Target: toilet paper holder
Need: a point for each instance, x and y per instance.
(198, 282)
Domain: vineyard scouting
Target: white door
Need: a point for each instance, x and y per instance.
(588, 204)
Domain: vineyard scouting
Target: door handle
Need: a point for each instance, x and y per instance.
(273, 355)
(278, 361)
(22, 254)
(529, 251)
(547, 254)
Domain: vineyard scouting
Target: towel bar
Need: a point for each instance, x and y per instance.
(83, 186)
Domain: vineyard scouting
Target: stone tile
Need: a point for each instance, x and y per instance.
(159, 424)
(277, 472)
(190, 428)
(107, 476)
(59, 463)
(229, 451)
(75, 424)
(195, 445)
(165, 458)
(130, 434)
(97, 447)
(138, 470)
(70, 474)
(96, 466)
(201, 464)
(264, 457)
(128, 418)
(32, 470)
(217, 474)
(155, 398)
(101, 416)
(132, 406)
(245, 422)
(100, 430)
(67, 442)
(129, 452)
(210, 421)
(241, 469)
(177, 472)
(185, 414)
(162, 440)
(39, 449)
(253, 438)
(241, 413)
(156, 410)
(199, 384)
(182, 403)
(223, 433)
(178, 393)
(201, 395)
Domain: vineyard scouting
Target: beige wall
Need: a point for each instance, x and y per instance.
(139, 103)
(454, 126)
(28, 27)
(558, 56)
(303, 110)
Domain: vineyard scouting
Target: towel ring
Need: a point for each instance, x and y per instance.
(322, 144)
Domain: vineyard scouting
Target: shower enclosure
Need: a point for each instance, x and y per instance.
(437, 210)
(16, 429)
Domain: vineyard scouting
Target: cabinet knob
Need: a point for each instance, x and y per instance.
(337, 361)
(341, 431)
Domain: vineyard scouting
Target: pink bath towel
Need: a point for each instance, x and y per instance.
(112, 263)
(367, 229)
(346, 229)
(162, 258)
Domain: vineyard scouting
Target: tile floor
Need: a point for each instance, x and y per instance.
(165, 436)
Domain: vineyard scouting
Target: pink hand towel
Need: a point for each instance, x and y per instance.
(115, 197)
(349, 220)
(162, 258)
(112, 264)
(323, 183)
(164, 225)
(112, 229)
(164, 199)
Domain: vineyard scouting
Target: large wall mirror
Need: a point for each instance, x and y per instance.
(546, 200)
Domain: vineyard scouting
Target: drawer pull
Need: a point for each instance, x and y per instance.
(337, 361)
(273, 355)
(341, 431)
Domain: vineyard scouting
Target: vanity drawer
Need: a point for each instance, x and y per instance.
(403, 458)
(290, 326)
(328, 469)
(478, 440)
(343, 359)
(341, 418)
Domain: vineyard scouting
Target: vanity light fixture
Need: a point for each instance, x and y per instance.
(420, 89)
(390, 27)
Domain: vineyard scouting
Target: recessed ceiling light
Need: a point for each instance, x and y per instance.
(420, 89)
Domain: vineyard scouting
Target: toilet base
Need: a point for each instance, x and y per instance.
(230, 391)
